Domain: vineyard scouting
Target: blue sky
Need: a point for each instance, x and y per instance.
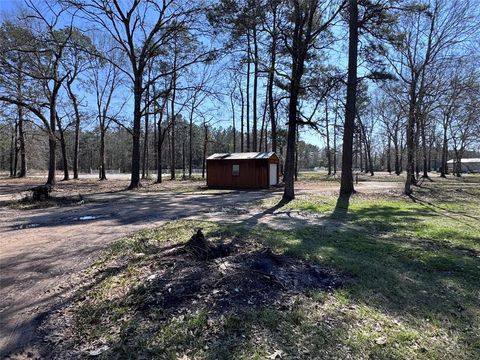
(8, 5)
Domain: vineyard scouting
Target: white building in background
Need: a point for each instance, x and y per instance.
(468, 165)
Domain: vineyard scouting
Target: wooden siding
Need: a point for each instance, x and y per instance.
(253, 173)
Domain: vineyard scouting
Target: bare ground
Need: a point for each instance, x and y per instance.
(43, 251)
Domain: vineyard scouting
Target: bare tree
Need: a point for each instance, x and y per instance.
(431, 32)
(75, 62)
(141, 30)
(464, 124)
(105, 79)
(45, 45)
(309, 21)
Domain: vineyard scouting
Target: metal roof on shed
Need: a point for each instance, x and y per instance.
(241, 156)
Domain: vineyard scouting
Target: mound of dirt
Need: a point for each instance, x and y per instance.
(226, 275)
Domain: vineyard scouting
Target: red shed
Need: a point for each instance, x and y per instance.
(251, 170)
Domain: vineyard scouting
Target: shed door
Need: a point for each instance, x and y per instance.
(273, 174)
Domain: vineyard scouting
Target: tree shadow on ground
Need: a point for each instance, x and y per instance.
(444, 211)
(253, 220)
(341, 207)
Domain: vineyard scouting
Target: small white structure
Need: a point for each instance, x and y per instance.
(468, 165)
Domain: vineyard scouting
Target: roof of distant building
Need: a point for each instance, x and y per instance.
(241, 156)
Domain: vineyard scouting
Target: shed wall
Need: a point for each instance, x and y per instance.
(253, 173)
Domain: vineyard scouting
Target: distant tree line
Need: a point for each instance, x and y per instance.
(117, 143)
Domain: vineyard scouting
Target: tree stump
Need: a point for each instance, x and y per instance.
(202, 249)
(41, 192)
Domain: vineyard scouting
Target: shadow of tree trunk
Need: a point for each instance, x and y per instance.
(255, 218)
(341, 208)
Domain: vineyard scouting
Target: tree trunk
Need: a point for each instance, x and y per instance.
(137, 118)
(263, 127)
(155, 134)
(289, 171)
(76, 144)
(429, 159)
(346, 182)
(102, 171)
(458, 163)
(159, 145)
(248, 90)
(266, 135)
(159, 152)
(242, 115)
(183, 154)
(204, 155)
(255, 89)
(369, 158)
(271, 76)
(63, 148)
(282, 164)
(335, 142)
(397, 157)
(443, 168)
(296, 154)
(402, 149)
(367, 165)
(145, 138)
(289, 192)
(52, 143)
(410, 180)
(172, 128)
(355, 144)
(159, 148)
(327, 125)
(21, 141)
(15, 148)
(416, 147)
(12, 154)
(424, 147)
(190, 142)
(389, 155)
(234, 131)
(360, 150)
